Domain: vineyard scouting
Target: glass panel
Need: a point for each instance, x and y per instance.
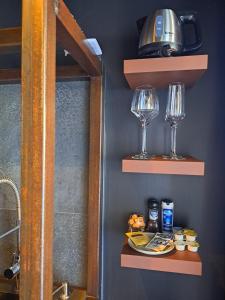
(71, 182)
(9, 166)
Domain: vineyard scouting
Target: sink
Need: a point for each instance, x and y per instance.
(9, 296)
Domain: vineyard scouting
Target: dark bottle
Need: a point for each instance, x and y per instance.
(153, 215)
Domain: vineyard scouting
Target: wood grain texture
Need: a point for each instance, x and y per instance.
(37, 148)
(63, 73)
(160, 72)
(10, 40)
(8, 76)
(94, 186)
(78, 294)
(158, 165)
(71, 38)
(70, 73)
(184, 262)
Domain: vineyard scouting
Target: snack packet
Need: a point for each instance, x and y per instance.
(166, 235)
(138, 238)
(159, 242)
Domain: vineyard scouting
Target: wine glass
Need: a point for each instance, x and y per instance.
(175, 112)
(145, 106)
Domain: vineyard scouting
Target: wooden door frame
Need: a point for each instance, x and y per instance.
(37, 149)
(95, 184)
(41, 20)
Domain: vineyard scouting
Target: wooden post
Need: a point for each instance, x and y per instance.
(37, 148)
(94, 186)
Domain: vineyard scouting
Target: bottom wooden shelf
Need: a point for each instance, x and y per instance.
(184, 262)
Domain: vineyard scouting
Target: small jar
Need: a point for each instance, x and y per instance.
(180, 245)
(190, 234)
(193, 246)
(179, 236)
(136, 222)
(191, 238)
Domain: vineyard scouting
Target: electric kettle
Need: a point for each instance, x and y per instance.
(163, 35)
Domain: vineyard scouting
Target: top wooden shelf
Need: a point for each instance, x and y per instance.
(160, 72)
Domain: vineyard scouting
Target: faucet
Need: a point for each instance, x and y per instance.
(14, 270)
(64, 288)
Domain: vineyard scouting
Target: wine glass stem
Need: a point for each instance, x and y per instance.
(173, 139)
(143, 140)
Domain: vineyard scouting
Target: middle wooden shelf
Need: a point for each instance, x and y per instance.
(159, 165)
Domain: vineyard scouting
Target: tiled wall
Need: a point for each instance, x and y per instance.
(71, 176)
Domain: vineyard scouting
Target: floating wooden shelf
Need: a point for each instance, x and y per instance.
(158, 165)
(159, 72)
(184, 262)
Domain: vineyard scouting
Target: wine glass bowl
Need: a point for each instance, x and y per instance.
(145, 106)
(175, 112)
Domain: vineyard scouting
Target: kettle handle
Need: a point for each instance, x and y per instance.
(140, 24)
(191, 19)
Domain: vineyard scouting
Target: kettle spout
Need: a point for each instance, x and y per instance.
(140, 23)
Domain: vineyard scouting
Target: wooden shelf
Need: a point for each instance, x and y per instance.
(158, 165)
(159, 72)
(184, 262)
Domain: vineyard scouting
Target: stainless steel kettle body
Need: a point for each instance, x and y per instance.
(163, 35)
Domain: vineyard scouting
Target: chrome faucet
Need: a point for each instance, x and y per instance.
(64, 288)
(12, 271)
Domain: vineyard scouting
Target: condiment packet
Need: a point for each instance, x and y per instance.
(139, 238)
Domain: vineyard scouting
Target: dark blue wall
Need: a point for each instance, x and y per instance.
(199, 201)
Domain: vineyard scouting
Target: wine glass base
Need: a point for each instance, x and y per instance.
(143, 156)
(177, 157)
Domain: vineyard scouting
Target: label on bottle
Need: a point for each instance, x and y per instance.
(167, 219)
(153, 214)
